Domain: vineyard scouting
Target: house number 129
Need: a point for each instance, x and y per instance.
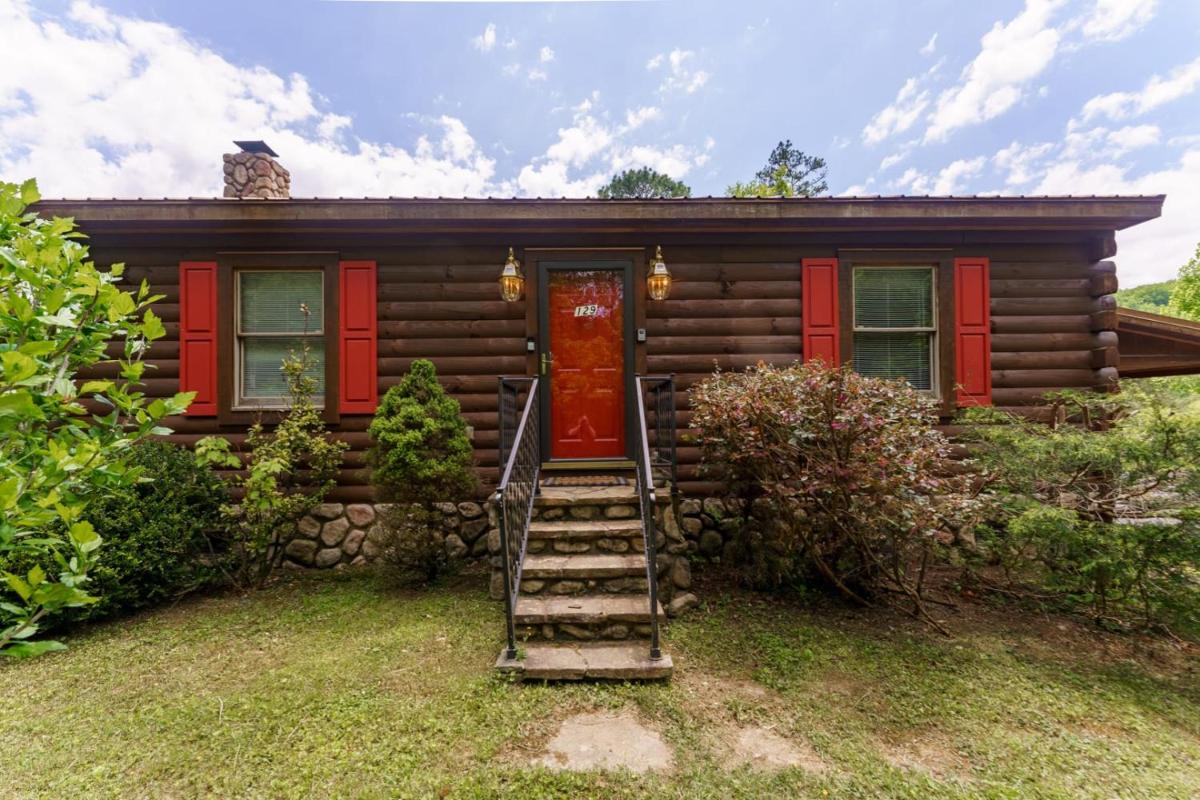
(586, 311)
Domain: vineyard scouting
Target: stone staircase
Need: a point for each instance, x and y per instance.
(584, 609)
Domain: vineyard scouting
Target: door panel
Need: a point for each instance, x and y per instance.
(586, 315)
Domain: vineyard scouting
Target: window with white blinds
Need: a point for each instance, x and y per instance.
(895, 324)
(271, 323)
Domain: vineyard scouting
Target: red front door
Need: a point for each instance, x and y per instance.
(586, 315)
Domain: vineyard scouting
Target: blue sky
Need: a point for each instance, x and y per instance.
(140, 97)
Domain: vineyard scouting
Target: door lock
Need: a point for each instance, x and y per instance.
(547, 358)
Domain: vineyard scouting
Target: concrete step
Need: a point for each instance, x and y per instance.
(588, 609)
(584, 528)
(583, 566)
(594, 660)
(557, 496)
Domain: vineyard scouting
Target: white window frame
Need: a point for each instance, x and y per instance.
(934, 389)
(240, 402)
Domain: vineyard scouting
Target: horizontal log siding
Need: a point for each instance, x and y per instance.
(729, 308)
(1053, 324)
(449, 313)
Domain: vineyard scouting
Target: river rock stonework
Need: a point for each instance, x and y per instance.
(336, 535)
(256, 175)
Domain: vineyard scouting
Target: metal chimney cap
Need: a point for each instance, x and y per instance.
(256, 146)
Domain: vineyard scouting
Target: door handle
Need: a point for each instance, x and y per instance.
(547, 358)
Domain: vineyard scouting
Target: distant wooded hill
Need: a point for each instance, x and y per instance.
(1152, 297)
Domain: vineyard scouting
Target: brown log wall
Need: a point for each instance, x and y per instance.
(1053, 323)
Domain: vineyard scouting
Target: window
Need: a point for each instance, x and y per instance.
(271, 323)
(895, 324)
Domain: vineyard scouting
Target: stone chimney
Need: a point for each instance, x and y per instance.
(254, 173)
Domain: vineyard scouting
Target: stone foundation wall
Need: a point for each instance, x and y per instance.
(708, 527)
(335, 534)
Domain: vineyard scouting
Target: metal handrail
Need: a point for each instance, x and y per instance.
(514, 500)
(510, 407)
(662, 389)
(648, 501)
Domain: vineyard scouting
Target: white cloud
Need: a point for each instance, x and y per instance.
(1112, 20)
(545, 55)
(589, 151)
(948, 181)
(892, 160)
(1021, 162)
(1154, 250)
(1133, 137)
(930, 46)
(1158, 91)
(898, 117)
(486, 40)
(680, 74)
(537, 74)
(1011, 55)
(151, 111)
(637, 117)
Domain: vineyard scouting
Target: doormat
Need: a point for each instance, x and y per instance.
(585, 480)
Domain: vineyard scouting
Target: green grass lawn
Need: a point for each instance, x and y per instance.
(340, 686)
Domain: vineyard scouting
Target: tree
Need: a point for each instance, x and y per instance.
(1154, 297)
(63, 440)
(789, 172)
(643, 184)
(1185, 297)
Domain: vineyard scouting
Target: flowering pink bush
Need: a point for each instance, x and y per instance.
(851, 470)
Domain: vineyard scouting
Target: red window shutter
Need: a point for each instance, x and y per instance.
(819, 315)
(358, 384)
(198, 335)
(972, 332)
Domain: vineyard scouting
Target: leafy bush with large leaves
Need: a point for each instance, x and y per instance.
(1100, 512)
(63, 441)
(851, 471)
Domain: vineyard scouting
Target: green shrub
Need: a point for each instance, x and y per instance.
(59, 314)
(420, 454)
(850, 470)
(155, 532)
(1102, 513)
(289, 470)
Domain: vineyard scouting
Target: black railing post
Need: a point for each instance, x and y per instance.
(664, 446)
(510, 651)
(521, 462)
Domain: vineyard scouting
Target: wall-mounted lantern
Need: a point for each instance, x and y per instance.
(512, 282)
(658, 279)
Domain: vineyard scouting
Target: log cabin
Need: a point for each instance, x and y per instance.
(976, 300)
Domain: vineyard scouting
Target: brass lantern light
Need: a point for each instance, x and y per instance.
(658, 280)
(512, 282)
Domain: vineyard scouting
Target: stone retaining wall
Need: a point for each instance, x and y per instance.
(335, 534)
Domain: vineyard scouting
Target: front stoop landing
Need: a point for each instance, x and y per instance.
(584, 605)
(587, 660)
